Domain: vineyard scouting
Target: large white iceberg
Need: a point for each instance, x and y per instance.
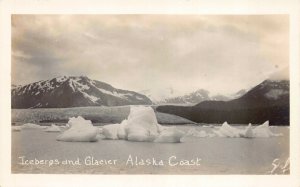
(53, 128)
(80, 130)
(141, 125)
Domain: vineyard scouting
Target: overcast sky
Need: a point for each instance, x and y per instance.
(222, 54)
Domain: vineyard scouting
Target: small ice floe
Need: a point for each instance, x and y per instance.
(208, 126)
(16, 128)
(261, 131)
(80, 130)
(192, 134)
(170, 135)
(65, 127)
(52, 128)
(228, 131)
(31, 126)
(280, 167)
(248, 132)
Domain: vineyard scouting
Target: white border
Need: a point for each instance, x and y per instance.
(290, 7)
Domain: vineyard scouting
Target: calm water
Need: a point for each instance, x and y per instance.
(218, 155)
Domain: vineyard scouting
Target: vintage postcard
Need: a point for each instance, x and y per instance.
(151, 94)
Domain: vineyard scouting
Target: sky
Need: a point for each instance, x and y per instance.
(222, 54)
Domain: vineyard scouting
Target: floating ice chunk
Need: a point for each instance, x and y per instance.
(65, 127)
(263, 131)
(193, 132)
(80, 130)
(228, 131)
(140, 135)
(121, 130)
(31, 126)
(142, 124)
(100, 136)
(170, 135)
(111, 131)
(193, 135)
(248, 132)
(161, 128)
(16, 128)
(52, 128)
(208, 126)
(100, 130)
(143, 117)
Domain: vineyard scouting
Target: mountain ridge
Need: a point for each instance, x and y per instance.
(73, 91)
(267, 101)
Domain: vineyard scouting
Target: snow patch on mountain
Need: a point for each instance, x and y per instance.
(70, 91)
(276, 93)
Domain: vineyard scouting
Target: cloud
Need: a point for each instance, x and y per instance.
(139, 52)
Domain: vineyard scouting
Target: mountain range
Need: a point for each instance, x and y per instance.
(267, 101)
(71, 91)
(200, 96)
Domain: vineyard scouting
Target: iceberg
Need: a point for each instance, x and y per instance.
(16, 128)
(31, 126)
(170, 135)
(52, 128)
(263, 131)
(111, 131)
(80, 130)
(142, 124)
(121, 130)
(192, 134)
(228, 131)
(248, 132)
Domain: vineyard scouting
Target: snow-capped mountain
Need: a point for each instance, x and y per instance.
(71, 91)
(199, 96)
(160, 95)
(191, 98)
(267, 101)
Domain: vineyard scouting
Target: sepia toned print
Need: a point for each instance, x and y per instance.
(150, 94)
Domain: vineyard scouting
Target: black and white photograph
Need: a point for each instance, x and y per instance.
(150, 94)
